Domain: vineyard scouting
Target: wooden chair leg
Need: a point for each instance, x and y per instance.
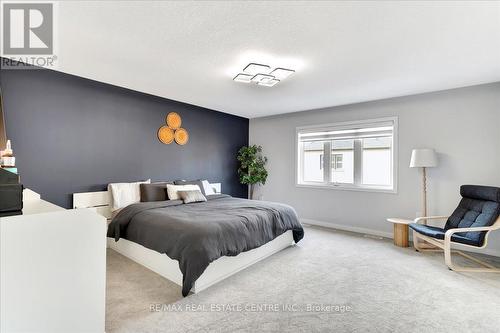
(487, 268)
(447, 256)
(422, 247)
(416, 244)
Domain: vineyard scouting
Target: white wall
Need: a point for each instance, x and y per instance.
(463, 125)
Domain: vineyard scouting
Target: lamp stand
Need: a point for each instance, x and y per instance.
(424, 193)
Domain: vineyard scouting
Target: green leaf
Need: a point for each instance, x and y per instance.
(252, 165)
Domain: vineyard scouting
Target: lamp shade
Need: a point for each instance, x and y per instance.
(423, 158)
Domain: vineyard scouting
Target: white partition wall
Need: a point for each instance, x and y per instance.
(52, 271)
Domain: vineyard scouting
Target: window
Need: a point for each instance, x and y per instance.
(351, 155)
(337, 162)
(313, 159)
(342, 152)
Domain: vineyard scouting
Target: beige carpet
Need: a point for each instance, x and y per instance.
(370, 286)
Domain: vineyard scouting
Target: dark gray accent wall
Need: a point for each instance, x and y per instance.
(71, 134)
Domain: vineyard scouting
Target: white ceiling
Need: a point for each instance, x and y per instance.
(343, 52)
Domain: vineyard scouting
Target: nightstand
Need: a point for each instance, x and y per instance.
(400, 231)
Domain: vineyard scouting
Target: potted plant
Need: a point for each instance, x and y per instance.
(252, 169)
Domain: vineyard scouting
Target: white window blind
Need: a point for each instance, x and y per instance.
(369, 130)
(353, 155)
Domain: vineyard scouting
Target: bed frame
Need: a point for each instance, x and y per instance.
(169, 268)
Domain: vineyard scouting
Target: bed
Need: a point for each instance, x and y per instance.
(198, 244)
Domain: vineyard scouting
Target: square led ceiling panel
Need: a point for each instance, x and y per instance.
(262, 78)
(254, 69)
(269, 83)
(243, 78)
(282, 73)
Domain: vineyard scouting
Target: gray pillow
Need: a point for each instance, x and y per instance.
(192, 182)
(154, 191)
(191, 196)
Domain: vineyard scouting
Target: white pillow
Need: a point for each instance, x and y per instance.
(209, 189)
(124, 194)
(173, 189)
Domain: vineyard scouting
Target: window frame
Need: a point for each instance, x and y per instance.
(357, 185)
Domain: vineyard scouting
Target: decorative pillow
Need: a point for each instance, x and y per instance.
(192, 196)
(192, 182)
(208, 189)
(124, 194)
(154, 192)
(172, 190)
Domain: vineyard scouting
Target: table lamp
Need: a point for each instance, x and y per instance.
(423, 158)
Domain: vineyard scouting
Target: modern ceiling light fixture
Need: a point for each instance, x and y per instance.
(262, 75)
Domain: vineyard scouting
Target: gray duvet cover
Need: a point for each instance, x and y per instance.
(196, 234)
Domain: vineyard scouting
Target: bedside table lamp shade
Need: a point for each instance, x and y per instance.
(423, 158)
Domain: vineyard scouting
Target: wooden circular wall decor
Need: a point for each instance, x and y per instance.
(181, 136)
(174, 121)
(166, 135)
(173, 131)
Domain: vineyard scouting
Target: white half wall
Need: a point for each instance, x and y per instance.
(463, 125)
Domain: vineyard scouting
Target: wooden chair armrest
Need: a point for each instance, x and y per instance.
(450, 232)
(425, 218)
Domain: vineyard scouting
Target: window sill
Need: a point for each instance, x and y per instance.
(347, 187)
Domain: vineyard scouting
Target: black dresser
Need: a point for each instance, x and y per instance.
(11, 194)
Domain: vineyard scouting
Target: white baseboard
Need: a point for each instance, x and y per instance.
(347, 228)
(343, 227)
(490, 252)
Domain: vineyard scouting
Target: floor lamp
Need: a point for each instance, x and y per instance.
(423, 158)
